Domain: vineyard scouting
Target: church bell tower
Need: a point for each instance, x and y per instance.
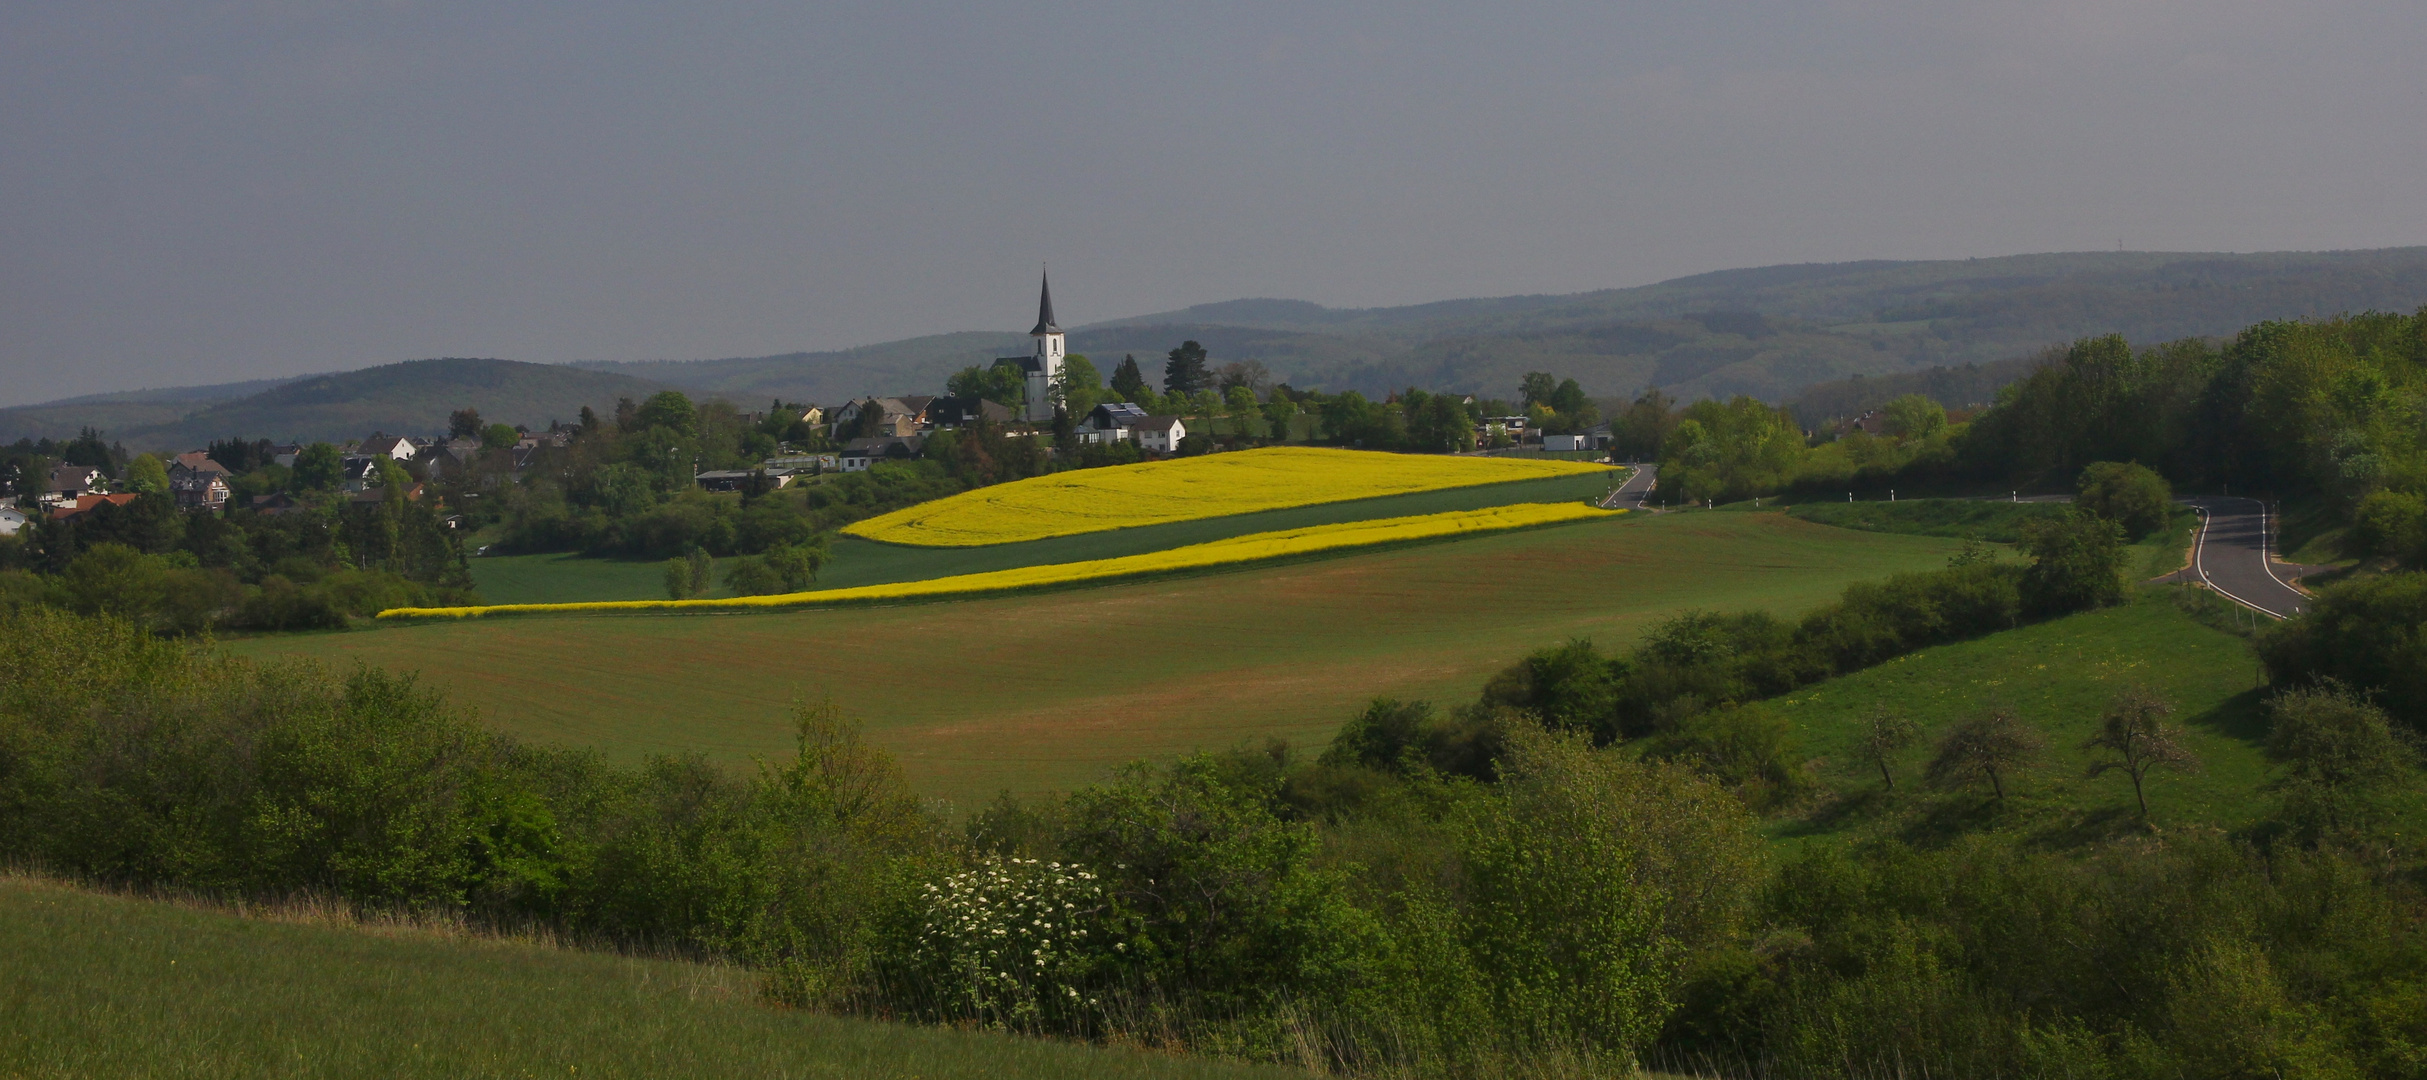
(1045, 371)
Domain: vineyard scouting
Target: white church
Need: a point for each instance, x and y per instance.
(1044, 367)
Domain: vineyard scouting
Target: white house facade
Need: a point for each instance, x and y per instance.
(1161, 434)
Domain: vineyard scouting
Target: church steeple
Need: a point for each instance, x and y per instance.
(1044, 308)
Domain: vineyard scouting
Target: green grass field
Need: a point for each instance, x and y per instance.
(108, 987)
(1972, 519)
(563, 579)
(2059, 675)
(552, 579)
(1050, 690)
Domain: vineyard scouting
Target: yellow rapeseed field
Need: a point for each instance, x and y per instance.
(1237, 549)
(1185, 489)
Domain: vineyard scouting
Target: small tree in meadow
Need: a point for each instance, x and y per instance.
(2137, 738)
(689, 575)
(1886, 734)
(1990, 746)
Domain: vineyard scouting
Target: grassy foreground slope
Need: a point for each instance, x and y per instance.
(1045, 691)
(104, 986)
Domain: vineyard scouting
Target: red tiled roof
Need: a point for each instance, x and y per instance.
(85, 503)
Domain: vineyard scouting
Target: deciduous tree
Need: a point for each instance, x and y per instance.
(2137, 738)
(1886, 734)
(1991, 746)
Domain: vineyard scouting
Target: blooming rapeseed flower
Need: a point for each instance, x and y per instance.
(1186, 489)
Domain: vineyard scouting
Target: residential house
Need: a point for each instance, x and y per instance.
(442, 458)
(69, 482)
(384, 445)
(956, 412)
(11, 518)
(1160, 434)
(1110, 423)
(197, 490)
(84, 504)
(197, 482)
(1873, 423)
(197, 460)
(285, 454)
(858, 454)
(359, 472)
(801, 464)
(733, 479)
(280, 503)
(899, 417)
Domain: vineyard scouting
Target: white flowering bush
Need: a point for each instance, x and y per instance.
(1015, 943)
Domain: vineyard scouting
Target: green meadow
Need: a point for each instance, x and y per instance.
(1050, 690)
(104, 986)
(2060, 676)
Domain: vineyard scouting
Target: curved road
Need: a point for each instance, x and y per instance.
(1630, 495)
(2230, 556)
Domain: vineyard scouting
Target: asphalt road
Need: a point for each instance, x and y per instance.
(1630, 495)
(2230, 555)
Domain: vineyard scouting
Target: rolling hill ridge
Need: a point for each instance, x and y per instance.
(1767, 331)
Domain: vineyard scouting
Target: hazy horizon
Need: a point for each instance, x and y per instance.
(261, 189)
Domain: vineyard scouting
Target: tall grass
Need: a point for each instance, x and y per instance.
(96, 985)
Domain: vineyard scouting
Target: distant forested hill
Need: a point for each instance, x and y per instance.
(1769, 331)
(1953, 387)
(411, 398)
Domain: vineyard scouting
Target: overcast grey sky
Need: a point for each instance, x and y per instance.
(205, 191)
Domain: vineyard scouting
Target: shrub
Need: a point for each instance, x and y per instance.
(1590, 889)
(2391, 525)
(1216, 900)
(2368, 634)
(2077, 565)
(1566, 687)
(1015, 943)
(2129, 495)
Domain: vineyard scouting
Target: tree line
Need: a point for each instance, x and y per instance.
(2328, 410)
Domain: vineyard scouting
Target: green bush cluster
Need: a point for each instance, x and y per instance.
(1700, 662)
(2199, 957)
(2328, 408)
(2369, 634)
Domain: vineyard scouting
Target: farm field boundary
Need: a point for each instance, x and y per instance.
(570, 578)
(1185, 489)
(1255, 547)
